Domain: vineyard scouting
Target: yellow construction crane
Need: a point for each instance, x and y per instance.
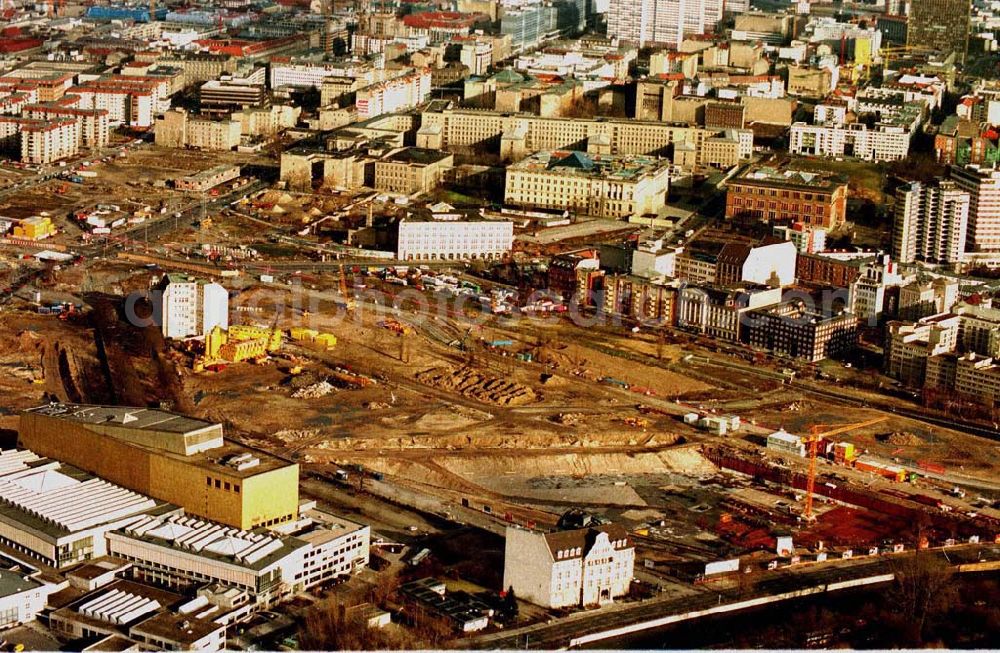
(888, 54)
(816, 433)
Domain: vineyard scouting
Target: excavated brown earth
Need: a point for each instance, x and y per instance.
(481, 387)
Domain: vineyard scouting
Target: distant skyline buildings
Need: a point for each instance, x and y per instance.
(664, 21)
(940, 24)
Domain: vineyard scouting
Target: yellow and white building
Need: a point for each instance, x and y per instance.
(170, 457)
(599, 185)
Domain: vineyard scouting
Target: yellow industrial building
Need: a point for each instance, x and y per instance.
(34, 228)
(240, 343)
(322, 340)
(170, 457)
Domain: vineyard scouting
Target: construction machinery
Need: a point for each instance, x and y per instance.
(888, 54)
(348, 297)
(237, 344)
(816, 433)
(394, 325)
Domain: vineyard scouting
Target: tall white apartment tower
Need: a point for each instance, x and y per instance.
(983, 186)
(191, 307)
(930, 223)
(662, 21)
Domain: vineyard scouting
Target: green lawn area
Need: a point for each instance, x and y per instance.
(276, 250)
(457, 199)
(868, 175)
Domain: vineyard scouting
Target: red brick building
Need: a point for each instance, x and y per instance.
(825, 271)
(788, 196)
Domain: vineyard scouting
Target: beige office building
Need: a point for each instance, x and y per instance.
(599, 185)
(521, 135)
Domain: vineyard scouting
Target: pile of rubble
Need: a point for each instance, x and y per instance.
(291, 435)
(567, 419)
(902, 439)
(314, 391)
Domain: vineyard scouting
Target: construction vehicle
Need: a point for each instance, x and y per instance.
(394, 325)
(347, 379)
(607, 380)
(816, 433)
(68, 311)
(349, 302)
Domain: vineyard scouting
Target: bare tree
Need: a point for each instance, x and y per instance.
(923, 589)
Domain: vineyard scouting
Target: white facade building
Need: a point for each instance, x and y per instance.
(453, 239)
(784, 442)
(651, 260)
(930, 223)
(770, 265)
(21, 598)
(181, 551)
(588, 566)
(882, 143)
(807, 239)
(48, 141)
(599, 185)
(983, 186)
(191, 307)
(477, 55)
(662, 21)
(393, 95)
(867, 295)
(830, 113)
(59, 515)
(303, 73)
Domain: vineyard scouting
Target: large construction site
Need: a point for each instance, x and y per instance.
(486, 420)
(416, 403)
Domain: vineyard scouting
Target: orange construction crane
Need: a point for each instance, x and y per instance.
(816, 433)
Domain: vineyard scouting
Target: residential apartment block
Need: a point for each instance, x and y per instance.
(884, 142)
(176, 128)
(920, 299)
(665, 22)
(391, 95)
(646, 300)
(983, 186)
(930, 222)
(191, 307)
(908, 346)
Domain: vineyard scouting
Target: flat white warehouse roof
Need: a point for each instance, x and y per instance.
(38, 487)
(193, 534)
(785, 437)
